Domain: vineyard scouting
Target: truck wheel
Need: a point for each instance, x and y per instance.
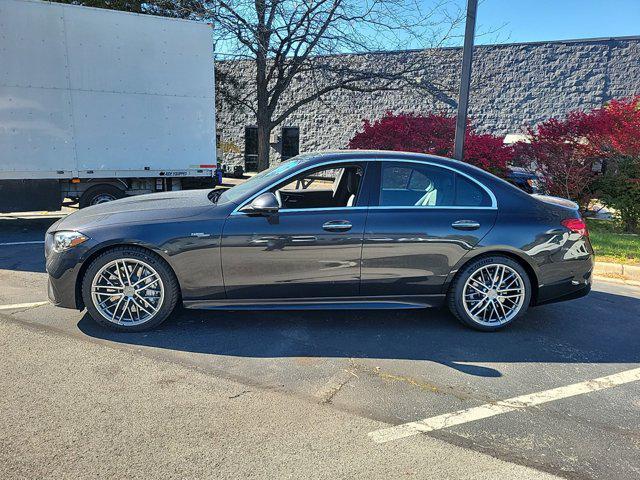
(100, 194)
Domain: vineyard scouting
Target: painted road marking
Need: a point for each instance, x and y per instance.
(503, 406)
(22, 305)
(34, 242)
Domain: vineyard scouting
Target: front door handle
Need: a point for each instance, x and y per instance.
(337, 226)
(466, 225)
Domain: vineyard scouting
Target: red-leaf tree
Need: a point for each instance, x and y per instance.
(569, 151)
(434, 134)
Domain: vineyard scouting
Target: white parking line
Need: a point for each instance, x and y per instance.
(503, 406)
(22, 305)
(34, 242)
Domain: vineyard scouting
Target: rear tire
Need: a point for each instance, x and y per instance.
(100, 194)
(129, 289)
(490, 293)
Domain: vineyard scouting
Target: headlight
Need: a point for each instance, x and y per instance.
(65, 240)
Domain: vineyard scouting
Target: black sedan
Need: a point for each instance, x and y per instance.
(331, 230)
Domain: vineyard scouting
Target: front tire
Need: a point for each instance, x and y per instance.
(129, 289)
(490, 293)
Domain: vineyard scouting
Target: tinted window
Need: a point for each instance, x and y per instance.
(411, 185)
(470, 194)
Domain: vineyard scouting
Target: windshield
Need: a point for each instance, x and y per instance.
(260, 180)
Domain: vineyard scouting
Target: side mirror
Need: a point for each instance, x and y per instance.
(266, 204)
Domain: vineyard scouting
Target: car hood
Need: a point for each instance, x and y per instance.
(141, 208)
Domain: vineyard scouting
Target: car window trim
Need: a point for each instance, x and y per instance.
(492, 197)
(493, 206)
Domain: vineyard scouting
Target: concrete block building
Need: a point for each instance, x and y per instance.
(513, 85)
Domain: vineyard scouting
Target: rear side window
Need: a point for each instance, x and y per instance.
(470, 194)
(421, 185)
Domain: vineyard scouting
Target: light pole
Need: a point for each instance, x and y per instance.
(465, 80)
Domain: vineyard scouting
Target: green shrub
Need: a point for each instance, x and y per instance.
(619, 188)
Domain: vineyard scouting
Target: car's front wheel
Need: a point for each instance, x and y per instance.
(129, 289)
(490, 293)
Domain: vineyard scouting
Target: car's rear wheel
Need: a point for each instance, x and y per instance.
(490, 293)
(129, 289)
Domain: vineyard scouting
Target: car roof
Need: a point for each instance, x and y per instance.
(330, 155)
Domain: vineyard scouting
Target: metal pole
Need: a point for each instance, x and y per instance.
(465, 79)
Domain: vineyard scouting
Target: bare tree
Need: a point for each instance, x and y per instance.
(288, 39)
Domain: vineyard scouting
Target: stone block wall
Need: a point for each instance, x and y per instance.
(512, 85)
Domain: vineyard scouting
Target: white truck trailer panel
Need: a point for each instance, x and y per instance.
(89, 92)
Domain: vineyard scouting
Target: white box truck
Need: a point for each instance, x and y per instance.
(98, 104)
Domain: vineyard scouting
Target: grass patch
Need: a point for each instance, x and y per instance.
(611, 245)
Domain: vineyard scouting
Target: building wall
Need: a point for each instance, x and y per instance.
(512, 85)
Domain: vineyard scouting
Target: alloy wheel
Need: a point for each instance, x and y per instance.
(493, 294)
(127, 292)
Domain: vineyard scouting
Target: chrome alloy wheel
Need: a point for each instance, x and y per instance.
(127, 292)
(493, 294)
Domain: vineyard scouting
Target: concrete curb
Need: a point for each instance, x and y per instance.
(618, 270)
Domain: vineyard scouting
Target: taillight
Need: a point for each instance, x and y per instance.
(576, 225)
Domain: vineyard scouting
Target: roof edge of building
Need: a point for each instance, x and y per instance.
(482, 46)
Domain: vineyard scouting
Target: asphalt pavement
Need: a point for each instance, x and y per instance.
(325, 382)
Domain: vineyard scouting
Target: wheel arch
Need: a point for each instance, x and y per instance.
(100, 249)
(519, 257)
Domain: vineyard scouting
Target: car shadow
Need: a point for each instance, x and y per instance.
(22, 243)
(601, 328)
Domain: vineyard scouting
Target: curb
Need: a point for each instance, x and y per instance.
(619, 270)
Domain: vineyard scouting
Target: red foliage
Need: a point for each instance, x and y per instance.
(566, 151)
(432, 134)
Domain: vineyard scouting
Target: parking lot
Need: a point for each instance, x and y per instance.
(398, 367)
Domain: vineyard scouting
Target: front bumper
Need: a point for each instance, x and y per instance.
(63, 270)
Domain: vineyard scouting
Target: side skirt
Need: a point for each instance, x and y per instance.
(330, 303)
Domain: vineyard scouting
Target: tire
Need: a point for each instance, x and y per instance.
(138, 310)
(474, 300)
(100, 194)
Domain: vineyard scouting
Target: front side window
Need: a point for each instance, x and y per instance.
(322, 188)
(421, 185)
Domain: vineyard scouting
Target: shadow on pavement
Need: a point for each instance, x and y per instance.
(601, 328)
(22, 243)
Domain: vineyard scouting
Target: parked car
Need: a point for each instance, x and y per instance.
(525, 180)
(333, 230)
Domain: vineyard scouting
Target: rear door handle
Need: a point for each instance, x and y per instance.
(337, 226)
(466, 225)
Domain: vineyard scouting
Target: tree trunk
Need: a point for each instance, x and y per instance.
(264, 131)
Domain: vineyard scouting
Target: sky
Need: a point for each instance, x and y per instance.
(536, 20)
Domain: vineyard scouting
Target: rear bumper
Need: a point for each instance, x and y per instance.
(581, 291)
(575, 283)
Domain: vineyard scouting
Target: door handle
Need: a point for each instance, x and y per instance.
(466, 225)
(337, 226)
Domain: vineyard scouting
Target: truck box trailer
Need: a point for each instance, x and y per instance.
(97, 104)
